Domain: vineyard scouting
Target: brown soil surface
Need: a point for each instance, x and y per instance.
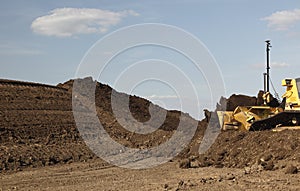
(94, 175)
(38, 136)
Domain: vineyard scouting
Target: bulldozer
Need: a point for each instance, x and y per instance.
(268, 116)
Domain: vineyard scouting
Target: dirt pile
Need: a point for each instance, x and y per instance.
(37, 128)
(270, 150)
(239, 100)
(265, 150)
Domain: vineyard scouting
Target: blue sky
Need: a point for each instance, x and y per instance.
(44, 41)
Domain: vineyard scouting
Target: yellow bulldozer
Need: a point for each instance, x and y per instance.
(285, 115)
(246, 118)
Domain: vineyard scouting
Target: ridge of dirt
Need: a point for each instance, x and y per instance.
(37, 129)
(265, 150)
(37, 126)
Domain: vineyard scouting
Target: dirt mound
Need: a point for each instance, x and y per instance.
(241, 149)
(239, 100)
(267, 150)
(37, 128)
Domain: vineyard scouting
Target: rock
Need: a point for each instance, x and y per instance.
(219, 165)
(180, 183)
(229, 177)
(269, 166)
(247, 170)
(253, 169)
(190, 183)
(203, 180)
(291, 170)
(266, 158)
(166, 186)
(185, 163)
(257, 168)
(195, 164)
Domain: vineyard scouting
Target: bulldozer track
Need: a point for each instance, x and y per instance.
(281, 119)
(13, 83)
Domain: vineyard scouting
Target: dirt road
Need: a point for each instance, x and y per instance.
(96, 175)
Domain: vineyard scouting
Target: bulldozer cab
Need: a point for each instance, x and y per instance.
(292, 93)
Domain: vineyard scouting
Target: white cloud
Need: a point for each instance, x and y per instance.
(272, 65)
(283, 20)
(66, 22)
(162, 97)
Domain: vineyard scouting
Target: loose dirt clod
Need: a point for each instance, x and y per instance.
(291, 170)
(185, 163)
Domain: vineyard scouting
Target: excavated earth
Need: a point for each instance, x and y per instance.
(39, 140)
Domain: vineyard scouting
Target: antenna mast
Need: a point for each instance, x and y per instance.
(267, 75)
